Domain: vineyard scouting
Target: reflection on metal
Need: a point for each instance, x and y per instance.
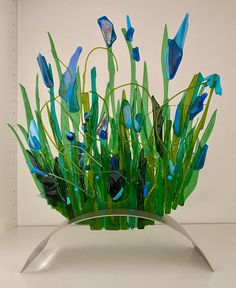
(168, 220)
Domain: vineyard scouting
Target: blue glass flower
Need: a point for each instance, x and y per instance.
(70, 136)
(201, 157)
(130, 30)
(45, 71)
(174, 52)
(213, 81)
(135, 54)
(197, 106)
(33, 139)
(107, 29)
(35, 170)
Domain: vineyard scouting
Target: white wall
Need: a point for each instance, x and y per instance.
(8, 151)
(210, 47)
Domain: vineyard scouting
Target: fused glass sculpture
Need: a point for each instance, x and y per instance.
(119, 148)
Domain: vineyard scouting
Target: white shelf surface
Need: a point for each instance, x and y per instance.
(153, 257)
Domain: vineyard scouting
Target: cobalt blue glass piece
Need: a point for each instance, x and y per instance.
(45, 71)
(173, 59)
(35, 170)
(145, 189)
(70, 136)
(114, 163)
(214, 81)
(33, 140)
(135, 54)
(130, 30)
(108, 31)
(82, 147)
(201, 158)
(103, 134)
(127, 115)
(197, 106)
(174, 51)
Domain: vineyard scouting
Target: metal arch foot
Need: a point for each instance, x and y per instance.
(168, 220)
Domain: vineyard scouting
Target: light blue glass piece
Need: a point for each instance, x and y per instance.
(70, 74)
(33, 140)
(181, 34)
(119, 194)
(127, 115)
(68, 200)
(35, 170)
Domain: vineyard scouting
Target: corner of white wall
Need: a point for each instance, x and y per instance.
(8, 151)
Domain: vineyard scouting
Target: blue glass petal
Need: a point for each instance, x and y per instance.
(47, 76)
(181, 34)
(119, 194)
(107, 29)
(127, 115)
(201, 158)
(35, 170)
(138, 122)
(197, 106)
(70, 74)
(33, 140)
(70, 136)
(72, 102)
(173, 58)
(145, 189)
(135, 54)
(177, 121)
(130, 30)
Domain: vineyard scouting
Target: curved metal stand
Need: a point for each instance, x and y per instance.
(168, 220)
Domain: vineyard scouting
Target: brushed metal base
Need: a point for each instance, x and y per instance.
(166, 219)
